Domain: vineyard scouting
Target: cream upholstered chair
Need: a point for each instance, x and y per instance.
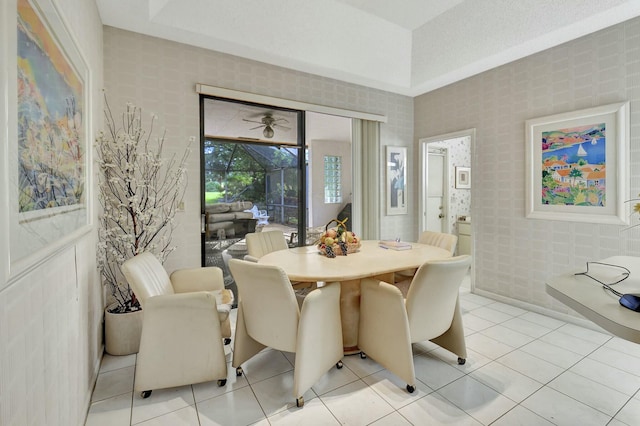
(268, 316)
(183, 323)
(437, 239)
(261, 243)
(389, 324)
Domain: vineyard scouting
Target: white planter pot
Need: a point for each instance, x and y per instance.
(122, 332)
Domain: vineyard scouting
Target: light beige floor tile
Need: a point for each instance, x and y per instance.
(161, 401)
(115, 411)
(570, 343)
(607, 375)
(475, 323)
(561, 357)
(275, 394)
(630, 413)
(393, 419)
(487, 346)
(207, 390)
(356, 404)
(473, 361)
(624, 346)
(333, 379)
(434, 409)
(478, 400)
(434, 372)
(520, 416)
(110, 362)
(187, 416)
(595, 395)
(394, 390)
(361, 367)
(507, 336)
(542, 320)
(490, 314)
(313, 413)
(508, 382)
(113, 383)
(239, 407)
(514, 311)
(529, 365)
(266, 364)
(617, 359)
(526, 327)
(600, 337)
(563, 410)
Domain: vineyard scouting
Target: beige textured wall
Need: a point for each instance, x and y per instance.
(514, 255)
(50, 317)
(160, 77)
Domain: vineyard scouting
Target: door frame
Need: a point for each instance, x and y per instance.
(422, 188)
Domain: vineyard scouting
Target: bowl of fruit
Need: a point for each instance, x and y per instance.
(338, 241)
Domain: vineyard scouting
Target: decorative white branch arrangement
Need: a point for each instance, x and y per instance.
(139, 192)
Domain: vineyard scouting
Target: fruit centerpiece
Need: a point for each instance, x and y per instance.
(338, 241)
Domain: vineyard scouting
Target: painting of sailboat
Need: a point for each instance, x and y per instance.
(574, 166)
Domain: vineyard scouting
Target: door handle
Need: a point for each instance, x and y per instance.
(202, 224)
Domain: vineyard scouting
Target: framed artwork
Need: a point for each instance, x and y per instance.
(577, 165)
(463, 177)
(47, 157)
(396, 160)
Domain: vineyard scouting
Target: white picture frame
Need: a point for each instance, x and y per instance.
(463, 177)
(36, 232)
(396, 182)
(577, 165)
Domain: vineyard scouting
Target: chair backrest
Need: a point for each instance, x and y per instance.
(146, 276)
(433, 294)
(269, 305)
(261, 243)
(439, 239)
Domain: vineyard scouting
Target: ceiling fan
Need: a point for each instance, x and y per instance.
(269, 123)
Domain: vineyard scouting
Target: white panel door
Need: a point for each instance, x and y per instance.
(436, 209)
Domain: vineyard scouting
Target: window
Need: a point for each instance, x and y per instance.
(332, 179)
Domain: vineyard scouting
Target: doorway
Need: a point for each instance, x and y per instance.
(445, 203)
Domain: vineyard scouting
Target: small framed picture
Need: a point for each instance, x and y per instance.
(463, 177)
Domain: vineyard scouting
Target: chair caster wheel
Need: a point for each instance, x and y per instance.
(461, 361)
(227, 340)
(410, 388)
(145, 394)
(363, 355)
(339, 365)
(299, 402)
(222, 382)
(239, 371)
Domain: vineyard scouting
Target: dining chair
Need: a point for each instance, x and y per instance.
(269, 316)
(261, 243)
(390, 324)
(186, 316)
(437, 239)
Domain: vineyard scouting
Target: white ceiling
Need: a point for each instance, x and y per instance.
(406, 46)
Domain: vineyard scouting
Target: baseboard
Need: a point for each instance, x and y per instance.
(580, 321)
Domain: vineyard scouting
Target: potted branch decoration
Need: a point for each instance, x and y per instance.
(139, 192)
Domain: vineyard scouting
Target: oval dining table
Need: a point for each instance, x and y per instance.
(307, 264)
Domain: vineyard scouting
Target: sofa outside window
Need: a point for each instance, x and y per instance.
(229, 220)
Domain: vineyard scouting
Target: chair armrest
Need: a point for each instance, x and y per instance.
(250, 258)
(384, 332)
(197, 279)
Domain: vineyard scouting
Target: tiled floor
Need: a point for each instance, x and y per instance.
(523, 369)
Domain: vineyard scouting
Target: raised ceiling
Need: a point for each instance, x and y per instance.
(408, 47)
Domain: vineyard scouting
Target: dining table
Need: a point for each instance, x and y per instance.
(307, 264)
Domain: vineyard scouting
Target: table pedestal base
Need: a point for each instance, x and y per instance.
(350, 311)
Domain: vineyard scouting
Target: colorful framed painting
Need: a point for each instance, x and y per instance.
(577, 165)
(396, 160)
(47, 156)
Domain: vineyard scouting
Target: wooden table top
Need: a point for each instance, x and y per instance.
(307, 264)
